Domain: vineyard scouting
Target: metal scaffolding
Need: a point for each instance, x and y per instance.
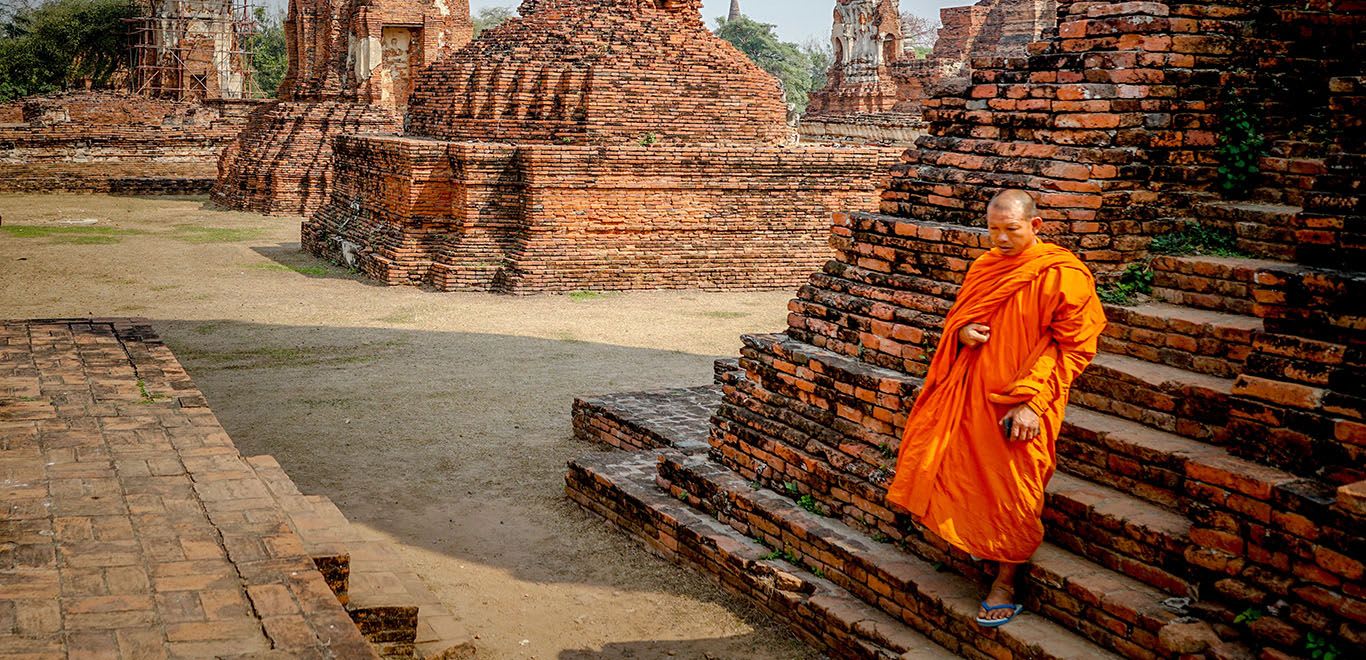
(193, 49)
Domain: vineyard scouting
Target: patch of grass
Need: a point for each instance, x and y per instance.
(312, 270)
(1248, 615)
(400, 317)
(74, 235)
(724, 315)
(586, 296)
(809, 503)
(1195, 238)
(284, 357)
(200, 234)
(1136, 280)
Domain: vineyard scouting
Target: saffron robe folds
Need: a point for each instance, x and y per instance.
(956, 471)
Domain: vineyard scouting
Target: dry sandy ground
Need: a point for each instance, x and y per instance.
(440, 419)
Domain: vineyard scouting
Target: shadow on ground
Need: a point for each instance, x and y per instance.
(455, 444)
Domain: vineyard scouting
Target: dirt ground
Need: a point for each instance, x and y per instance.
(440, 419)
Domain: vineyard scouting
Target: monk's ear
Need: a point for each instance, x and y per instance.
(1037, 223)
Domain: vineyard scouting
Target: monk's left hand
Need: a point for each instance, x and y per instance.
(1026, 424)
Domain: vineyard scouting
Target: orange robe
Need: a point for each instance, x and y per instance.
(956, 472)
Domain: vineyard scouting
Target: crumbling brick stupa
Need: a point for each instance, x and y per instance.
(1210, 500)
(351, 68)
(592, 144)
(876, 87)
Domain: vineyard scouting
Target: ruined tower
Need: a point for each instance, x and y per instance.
(192, 49)
(351, 69)
(734, 10)
(591, 144)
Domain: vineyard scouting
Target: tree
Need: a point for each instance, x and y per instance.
(268, 58)
(821, 56)
(57, 44)
(491, 17)
(918, 33)
(787, 62)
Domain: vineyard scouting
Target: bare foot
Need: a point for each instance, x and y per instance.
(1002, 593)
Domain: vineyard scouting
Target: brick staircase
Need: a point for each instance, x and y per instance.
(1155, 499)
(393, 608)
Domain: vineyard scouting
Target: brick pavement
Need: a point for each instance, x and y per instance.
(131, 527)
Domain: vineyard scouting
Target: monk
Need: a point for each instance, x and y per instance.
(978, 448)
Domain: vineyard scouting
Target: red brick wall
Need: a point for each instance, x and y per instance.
(90, 141)
(529, 218)
(599, 72)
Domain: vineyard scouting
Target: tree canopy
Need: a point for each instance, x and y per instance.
(58, 44)
(800, 69)
(491, 17)
(269, 60)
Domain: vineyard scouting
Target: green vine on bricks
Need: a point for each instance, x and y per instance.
(1195, 238)
(1248, 615)
(1241, 146)
(1136, 280)
(1320, 648)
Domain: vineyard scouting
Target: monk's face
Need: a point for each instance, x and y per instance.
(1010, 231)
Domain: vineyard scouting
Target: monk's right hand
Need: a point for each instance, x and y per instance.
(974, 334)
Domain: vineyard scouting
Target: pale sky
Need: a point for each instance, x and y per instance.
(797, 20)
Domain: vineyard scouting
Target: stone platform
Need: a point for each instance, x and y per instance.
(133, 528)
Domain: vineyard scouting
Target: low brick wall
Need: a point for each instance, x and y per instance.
(115, 142)
(534, 218)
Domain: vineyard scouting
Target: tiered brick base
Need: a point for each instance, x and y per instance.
(535, 218)
(281, 163)
(1167, 503)
(134, 529)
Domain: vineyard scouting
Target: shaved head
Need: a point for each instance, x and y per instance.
(1013, 222)
(1015, 201)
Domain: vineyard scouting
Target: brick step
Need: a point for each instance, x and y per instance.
(1203, 341)
(621, 488)
(1262, 229)
(1119, 531)
(1191, 404)
(1221, 284)
(1090, 602)
(394, 609)
(1155, 465)
(677, 418)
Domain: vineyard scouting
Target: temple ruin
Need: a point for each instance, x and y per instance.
(876, 87)
(351, 69)
(189, 90)
(591, 144)
(192, 49)
(1211, 494)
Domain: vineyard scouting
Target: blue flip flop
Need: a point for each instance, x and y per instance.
(997, 623)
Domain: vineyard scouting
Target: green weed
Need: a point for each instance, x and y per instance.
(1248, 615)
(1136, 280)
(1320, 647)
(1196, 238)
(809, 503)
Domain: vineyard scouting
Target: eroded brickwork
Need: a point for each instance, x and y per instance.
(591, 144)
(1211, 497)
(351, 69)
(115, 142)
